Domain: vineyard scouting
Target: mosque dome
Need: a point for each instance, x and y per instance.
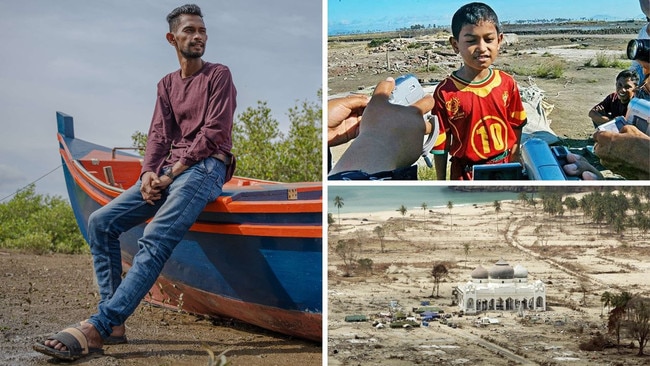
(520, 271)
(501, 270)
(480, 273)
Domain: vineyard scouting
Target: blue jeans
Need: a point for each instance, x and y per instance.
(173, 215)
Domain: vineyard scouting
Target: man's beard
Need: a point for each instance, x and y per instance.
(187, 53)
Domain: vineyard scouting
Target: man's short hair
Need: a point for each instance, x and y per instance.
(173, 18)
(473, 13)
(629, 74)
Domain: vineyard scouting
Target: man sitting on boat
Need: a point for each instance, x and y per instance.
(186, 163)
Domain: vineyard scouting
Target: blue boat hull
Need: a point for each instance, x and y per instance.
(238, 260)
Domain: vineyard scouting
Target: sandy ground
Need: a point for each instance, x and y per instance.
(565, 253)
(40, 295)
(354, 67)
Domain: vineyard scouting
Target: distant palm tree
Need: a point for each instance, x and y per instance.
(402, 210)
(523, 197)
(450, 205)
(424, 210)
(497, 209)
(338, 202)
(606, 298)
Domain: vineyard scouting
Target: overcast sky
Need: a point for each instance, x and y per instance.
(99, 61)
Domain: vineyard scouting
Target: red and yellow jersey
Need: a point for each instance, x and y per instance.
(480, 116)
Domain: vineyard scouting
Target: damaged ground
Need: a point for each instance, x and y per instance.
(575, 71)
(577, 261)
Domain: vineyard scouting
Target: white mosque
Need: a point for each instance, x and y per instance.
(502, 287)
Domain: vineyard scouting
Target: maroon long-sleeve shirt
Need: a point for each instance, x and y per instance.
(192, 119)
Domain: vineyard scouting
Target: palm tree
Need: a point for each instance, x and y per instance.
(606, 298)
(523, 197)
(620, 303)
(497, 209)
(338, 202)
(571, 204)
(424, 210)
(402, 210)
(450, 205)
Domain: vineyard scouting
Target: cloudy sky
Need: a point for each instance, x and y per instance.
(99, 61)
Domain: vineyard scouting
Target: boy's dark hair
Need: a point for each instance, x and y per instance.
(473, 13)
(629, 74)
(173, 18)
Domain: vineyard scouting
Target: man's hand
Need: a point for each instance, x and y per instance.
(343, 118)
(579, 167)
(390, 135)
(151, 187)
(626, 153)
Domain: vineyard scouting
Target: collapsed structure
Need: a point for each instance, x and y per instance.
(502, 287)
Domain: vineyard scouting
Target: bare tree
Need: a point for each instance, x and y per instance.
(584, 289)
(497, 209)
(638, 324)
(438, 272)
(450, 205)
(379, 230)
(347, 250)
(466, 250)
(424, 211)
(617, 314)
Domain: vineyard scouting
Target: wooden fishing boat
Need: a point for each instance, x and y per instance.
(254, 254)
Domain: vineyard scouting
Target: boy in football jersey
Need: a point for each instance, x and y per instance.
(479, 108)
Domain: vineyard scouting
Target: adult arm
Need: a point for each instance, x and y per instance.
(626, 153)
(216, 133)
(158, 143)
(390, 135)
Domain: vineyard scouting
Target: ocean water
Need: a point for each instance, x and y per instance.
(367, 199)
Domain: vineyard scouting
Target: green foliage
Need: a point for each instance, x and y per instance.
(263, 152)
(603, 60)
(39, 224)
(550, 69)
(426, 173)
(139, 141)
(365, 264)
(302, 151)
(378, 42)
(552, 204)
(255, 136)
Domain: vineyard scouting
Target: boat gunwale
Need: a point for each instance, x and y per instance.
(102, 193)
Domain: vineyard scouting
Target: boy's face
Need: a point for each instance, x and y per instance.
(625, 89)
(478, 45)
